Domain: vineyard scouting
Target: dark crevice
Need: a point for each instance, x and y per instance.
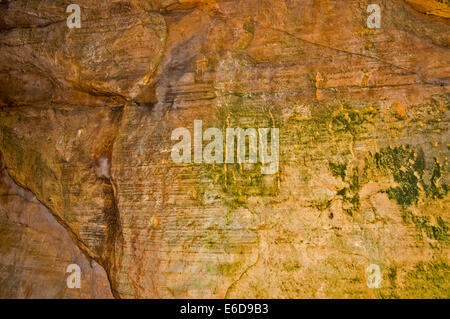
(114, 236)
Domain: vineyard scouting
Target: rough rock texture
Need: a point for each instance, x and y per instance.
(87, 114)
(36, 250)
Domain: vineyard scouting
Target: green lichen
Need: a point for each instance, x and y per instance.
(291, 265)
(436, 231)
(435, 190)
(224, 269)
(350, 195)
(353, 121)
(430, 280)
(406, 167)
(215, 237)
(338, 169)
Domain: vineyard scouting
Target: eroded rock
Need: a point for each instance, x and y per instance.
(363, 117)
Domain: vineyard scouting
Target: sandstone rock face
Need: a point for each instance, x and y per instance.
(36, 251)
(86, 120)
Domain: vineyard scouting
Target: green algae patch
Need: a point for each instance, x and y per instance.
(439, 230)
(404, 164)
(435, 190)
(215, 237)
(353, 121)
(407, 167)
(225, 268)
(338, 169)
(427, 280)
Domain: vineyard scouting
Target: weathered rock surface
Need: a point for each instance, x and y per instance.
(36, 250)
(87, 114)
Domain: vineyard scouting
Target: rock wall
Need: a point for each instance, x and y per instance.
(36, 251)
(86, 116)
